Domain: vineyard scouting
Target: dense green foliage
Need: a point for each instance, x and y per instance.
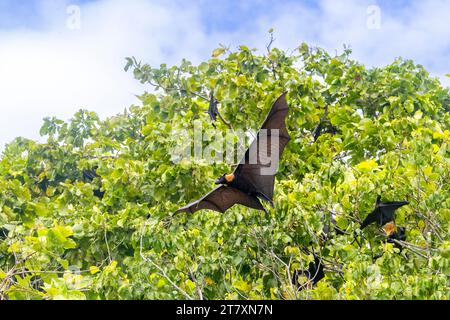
(390, 136)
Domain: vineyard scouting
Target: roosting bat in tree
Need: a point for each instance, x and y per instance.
(89, 175)
(314, 274)
(398, 234)
(254, 177)
(3, 233)
(393, 234)
(212, 109)
(383, 212)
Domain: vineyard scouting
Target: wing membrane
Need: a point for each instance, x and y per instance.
(221, 199)
(260, 162)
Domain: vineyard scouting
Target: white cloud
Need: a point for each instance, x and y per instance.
(56, 71)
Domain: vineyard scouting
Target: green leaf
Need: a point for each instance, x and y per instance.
(217, 52)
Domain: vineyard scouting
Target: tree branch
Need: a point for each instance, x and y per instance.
(162, 272)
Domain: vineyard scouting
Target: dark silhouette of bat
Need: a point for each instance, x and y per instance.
(323, 127)
(314, 274)
(43, 184)
(212, 109)
(393, 233)
(89, 175)
(254, 177)
(3, 233)
(399, 234)
(329, 227)
(383, 212)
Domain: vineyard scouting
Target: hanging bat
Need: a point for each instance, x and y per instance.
(212, 109)
(393, 233)
(399, 234)
(383, 212)
(89, 175)
(390, 228)
(3, 233)
(329, 227)
(254, 177)
(314, 274)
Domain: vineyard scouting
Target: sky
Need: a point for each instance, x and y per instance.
(57, 56)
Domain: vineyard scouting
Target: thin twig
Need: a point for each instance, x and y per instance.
(178, 89)
(107, 245)
(163, 273)
(199, 291)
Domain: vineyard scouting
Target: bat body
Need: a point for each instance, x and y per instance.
(3, 233)
(399, 234)
(89, 175)
(254, 177)
(394, 233)
(323, 128)
(212, 109)
(314, 274)
(383, 212)
(329, 227)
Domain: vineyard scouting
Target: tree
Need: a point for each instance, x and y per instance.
(356, 133)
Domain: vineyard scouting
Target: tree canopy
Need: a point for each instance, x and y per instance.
(356, 133)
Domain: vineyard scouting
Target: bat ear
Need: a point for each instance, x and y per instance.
(378, 199)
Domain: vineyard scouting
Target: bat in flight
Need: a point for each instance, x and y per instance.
(383, 214)
(254, 177)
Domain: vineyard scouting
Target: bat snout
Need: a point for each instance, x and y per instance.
(220, 180)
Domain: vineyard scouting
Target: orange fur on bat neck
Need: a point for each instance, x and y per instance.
(389, 228)
(229, 177)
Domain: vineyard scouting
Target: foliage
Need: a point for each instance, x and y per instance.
(390, 136)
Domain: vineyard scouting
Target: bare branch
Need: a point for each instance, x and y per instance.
(162, 272)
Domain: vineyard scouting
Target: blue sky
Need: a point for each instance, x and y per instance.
(48, 68)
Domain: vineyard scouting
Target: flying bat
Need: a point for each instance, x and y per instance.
(253, 178)
(383, 212)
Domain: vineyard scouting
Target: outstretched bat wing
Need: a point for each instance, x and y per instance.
(371, 217)
(90, 175)
(383, 213)
(388, 208)
(222, 198)
(260, 163)
(392, 206)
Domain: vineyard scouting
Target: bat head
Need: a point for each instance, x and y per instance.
(225, 179)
